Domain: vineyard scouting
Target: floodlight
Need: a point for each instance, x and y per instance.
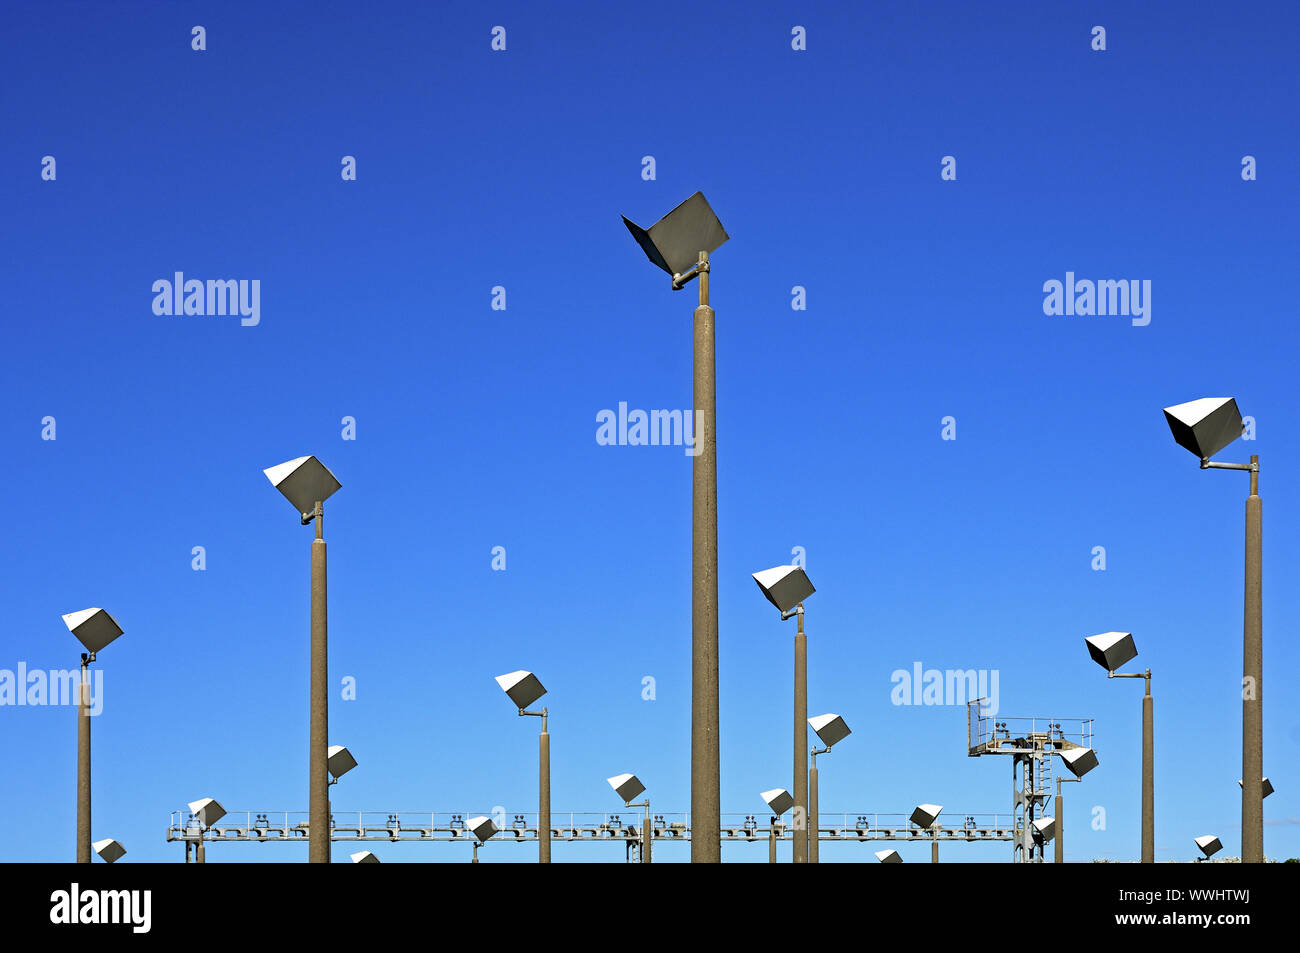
(675, 241)
(627, 786)
(830, 728)
(1079, 761)
(94, 628)
(304, 482)
(1110, 650)
(339, 761)
(1266, 787)
(364, 857)
(110, 850)
(784, 586)
(1209, 845)
(207, 811)
(481, 827)
(524, 688)
(1044, 828)
(925, 815)
(1205, 426)
(888, 856)
(778, 800)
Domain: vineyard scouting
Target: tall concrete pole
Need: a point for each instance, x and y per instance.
(1148, 777)
(800, 835)
(706, 806)
(771, 841)
(544, 794)
(934, 846)
(318, 850)
(813, 807)
(83, 763)
(1252, 696)
(1060, 826)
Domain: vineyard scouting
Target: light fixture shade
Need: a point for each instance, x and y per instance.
(109, 850)
(94, 628)
(1110, 650)
(830, 728)
(1205, 426)
(926, 814)
(627, 786)
(784, 586)
(1044, 828)
(339, 760)
(888, 856)
(524, 688)
(481, 827)
(1268, 786)
(778, 800)
(363, 857)
(675, 241)
(1079, 761)
(304, 482)
(207, 811)
(1209, 845)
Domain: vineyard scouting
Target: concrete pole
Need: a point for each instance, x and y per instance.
(1148, 777)
(771, 841)
(647, 835)
(83, 763)
(800, 744)
(934, 846)
(200, 854)
(706, 806)
(814, 804)
(1252, 696)
(1060, 826)
(318, 850)
(544, 795)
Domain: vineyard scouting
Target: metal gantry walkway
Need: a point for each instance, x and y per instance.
(590, 827)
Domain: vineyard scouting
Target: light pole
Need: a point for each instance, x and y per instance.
(524, 688)
(1205, 427)
(924, 817)
(1059, 857)
(94, 628)
(1110, 650)
(786, 587)
(831, 729)
(680, 244)
(778, 801)
(628, 786)
(207, 812)
(482, 827)
(307, 484)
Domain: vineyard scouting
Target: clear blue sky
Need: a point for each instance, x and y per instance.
(476, 427)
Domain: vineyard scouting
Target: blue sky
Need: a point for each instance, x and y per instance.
(476, 427)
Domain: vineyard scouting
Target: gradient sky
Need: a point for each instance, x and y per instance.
(476, 427)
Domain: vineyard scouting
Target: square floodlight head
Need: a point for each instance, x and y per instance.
(925, 815)
(675, 241)
(109, 850)
(830, 728)
(888, 856)
(784, 586)
(304, 482)
(524, 688)
(626, 786)
(207, 811)
(1209, 845)
(94, 628)
(1205, 426)
(1110, 650)
(1044, 828)
(1079, 761)
(481, 827)
(339, 760)
(363, 857)
(778, 800)
(1268, 786)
